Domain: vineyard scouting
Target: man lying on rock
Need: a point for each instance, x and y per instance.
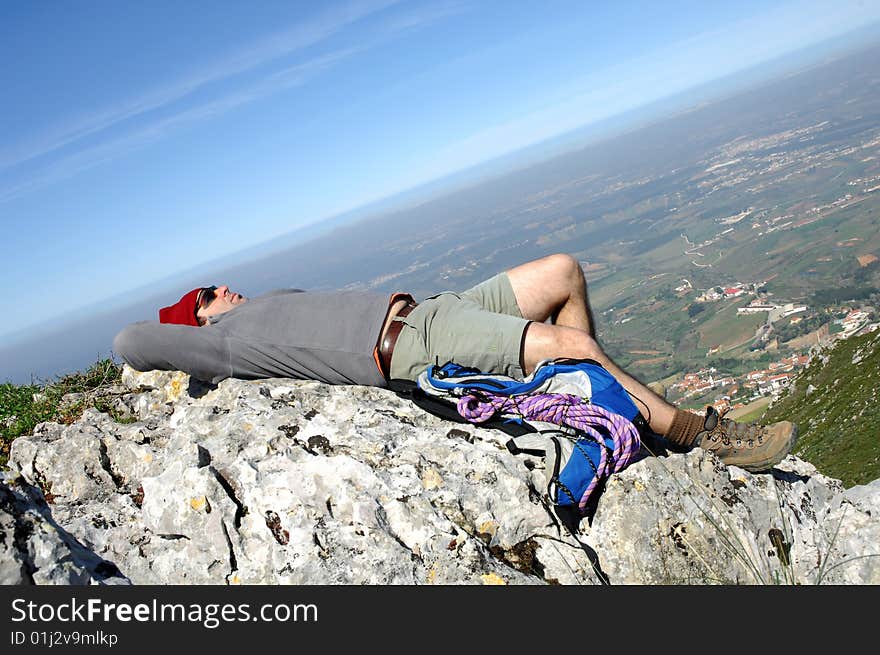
(356, 337)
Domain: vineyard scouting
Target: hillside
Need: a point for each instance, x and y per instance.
(834, 402)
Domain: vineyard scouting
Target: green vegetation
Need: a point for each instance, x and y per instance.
(695, 309)
(726, 329)
(836, 408)
(741, 365)
(786, 330)
(842, 294)
(22, 407)
(751, 412)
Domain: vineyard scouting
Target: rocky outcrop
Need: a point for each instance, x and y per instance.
(297, 482)
(34, 549)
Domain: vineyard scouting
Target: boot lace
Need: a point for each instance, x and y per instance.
(730, 433)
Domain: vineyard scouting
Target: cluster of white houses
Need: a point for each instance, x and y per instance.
(764, 382)
(740, 289)
(763, 306)
(722, 293)
(854, 322)
(734, 392)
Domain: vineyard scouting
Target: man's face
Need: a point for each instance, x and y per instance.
(217, 300)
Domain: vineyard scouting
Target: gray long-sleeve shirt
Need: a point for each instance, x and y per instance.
(328, 337)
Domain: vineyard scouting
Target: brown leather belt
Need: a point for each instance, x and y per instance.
(386, 348)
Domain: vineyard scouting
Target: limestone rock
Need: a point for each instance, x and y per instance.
(297, 482)
(34, 549)
(689, 519)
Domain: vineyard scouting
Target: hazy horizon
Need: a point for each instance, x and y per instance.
(118, 157)
(159, 288)
(73, 344)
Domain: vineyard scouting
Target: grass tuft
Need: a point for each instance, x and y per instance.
(23, 407)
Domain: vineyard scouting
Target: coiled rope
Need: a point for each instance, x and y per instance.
(568, 410)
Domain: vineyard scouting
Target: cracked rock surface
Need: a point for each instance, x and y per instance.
(297, 482)
(34, 549)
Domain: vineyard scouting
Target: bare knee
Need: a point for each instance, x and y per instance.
(591, 348)
(565, 266)
(567, 270)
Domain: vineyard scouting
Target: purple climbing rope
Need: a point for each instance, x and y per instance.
(564, 409)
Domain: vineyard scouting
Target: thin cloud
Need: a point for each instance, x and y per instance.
(94, 155)
(255, 55)
(423, 15)
(266, 51)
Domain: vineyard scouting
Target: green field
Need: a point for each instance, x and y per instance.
(751, 412)
(726, 328)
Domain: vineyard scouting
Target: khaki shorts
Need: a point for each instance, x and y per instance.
(481, 327)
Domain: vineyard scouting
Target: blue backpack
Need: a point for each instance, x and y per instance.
(572, 456)
(585, 378)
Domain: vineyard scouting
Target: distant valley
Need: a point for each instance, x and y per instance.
(774, 191)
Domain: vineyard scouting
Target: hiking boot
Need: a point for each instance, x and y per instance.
(747, 445)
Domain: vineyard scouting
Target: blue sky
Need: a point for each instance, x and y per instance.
(140, 139)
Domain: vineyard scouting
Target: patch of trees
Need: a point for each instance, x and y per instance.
(665, 293)
(789, 331)
(842, 294)
(695, 309)
(731, 366)
(866, 274)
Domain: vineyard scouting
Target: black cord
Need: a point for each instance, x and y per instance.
(643, 403)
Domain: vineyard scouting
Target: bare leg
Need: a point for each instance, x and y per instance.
(545, 341)
(553, 287)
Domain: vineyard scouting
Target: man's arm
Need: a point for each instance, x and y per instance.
(150, 345)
